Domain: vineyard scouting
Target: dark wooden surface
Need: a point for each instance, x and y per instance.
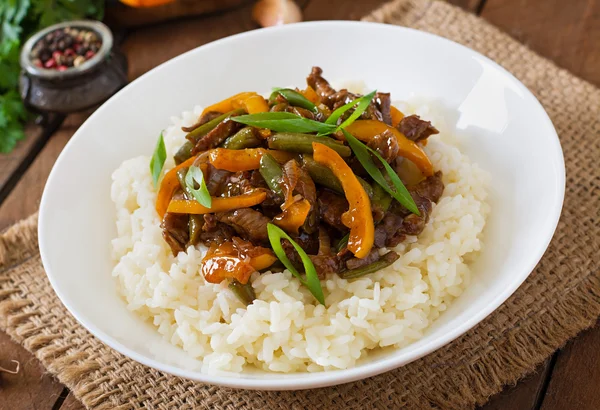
(566, 32)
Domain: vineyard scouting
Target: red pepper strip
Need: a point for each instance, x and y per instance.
(358, 217)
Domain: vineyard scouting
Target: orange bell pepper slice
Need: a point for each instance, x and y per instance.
(397, 116)
(219, 204)
(364, 130)
(235, 160)
(226, 261)
(168, 185)
(311, 95)
(249, 100)
(293, 217)
(358, 217)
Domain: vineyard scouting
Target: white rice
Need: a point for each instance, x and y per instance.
(285, 329)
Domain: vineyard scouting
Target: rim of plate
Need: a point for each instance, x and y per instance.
(306, 380)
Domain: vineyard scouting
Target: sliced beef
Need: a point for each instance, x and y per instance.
(386, 145)
(431, 187)
(238, 183)
(355, 263)
(175, 231)
(209, 116)
(216, 179)
(214, 231)
(387, 233)
(319, 84)
(216, 136)
(384, 104)
(414, 224)
(296, 180)
(248, 223)
(416, 129)
(331, 208)
(325, 264)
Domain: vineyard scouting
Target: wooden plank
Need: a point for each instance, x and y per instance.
(10, 163)
(25, 197)
(525, 395)
(576, 376)
(32, 388)
(566, 32)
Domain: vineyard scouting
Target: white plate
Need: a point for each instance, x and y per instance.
(505, 130)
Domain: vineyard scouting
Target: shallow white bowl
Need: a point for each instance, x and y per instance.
(504, 129)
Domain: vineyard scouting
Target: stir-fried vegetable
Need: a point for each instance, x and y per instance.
(271, 172)
(243, 160)
(196, 177)
(255, 172)
(365, 130)
(285, 122)
(244, 138)
(294, 98)
(245, 292)
(158, 159)
(219, 204)
(302, 143)
(311, 280)
(358, 218)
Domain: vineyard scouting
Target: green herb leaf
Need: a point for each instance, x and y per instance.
(401, 194)
(158, 159)
(312, 282)
(284, 122)
(195, 176)
(294, 98)
(363, 102)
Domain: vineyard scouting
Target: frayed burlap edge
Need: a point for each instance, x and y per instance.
(561, 297)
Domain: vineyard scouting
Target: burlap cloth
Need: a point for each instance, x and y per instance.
(560, 298)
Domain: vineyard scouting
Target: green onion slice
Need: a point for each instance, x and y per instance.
(158, 160)
(312, 282)
(195, 176)
(284, 122)
(401, 194)
(294, 98)
(362, 102)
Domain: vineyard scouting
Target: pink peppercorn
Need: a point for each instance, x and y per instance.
(50, 63)
(69, 52)
(57, 55)
(89, 54)
(62, 67)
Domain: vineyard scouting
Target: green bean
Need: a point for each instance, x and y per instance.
(185, 151)
(302, 143)
(343, 243)
(271, 172)
(323, 176)
(195, 222)
(244, 138)
(294, 98)
(244, 292)
(385, 261)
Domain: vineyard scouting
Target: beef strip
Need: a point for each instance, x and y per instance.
(216, 136)
(384, 103)
(320, 85)
(248, 223)
(386, 145)
(431, 187)
(387, 233)
(331, 208)
(215, 180)
(238, 183)
(355, 263)
(214, 231)
(414, 224)
(175, 231)
(416, 129)
(209, 116)
(296, 180)
(325, 261)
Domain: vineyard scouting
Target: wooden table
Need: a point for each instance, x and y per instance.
(566, 32)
